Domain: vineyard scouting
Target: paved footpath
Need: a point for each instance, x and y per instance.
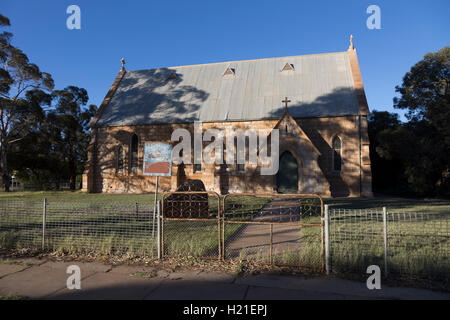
(253, 240)
(41, 279)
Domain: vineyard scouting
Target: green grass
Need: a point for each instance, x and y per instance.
(416, 248)
(418, 244)
(19, 263)
(201, 238)
(193, 238)
(78, 226)
(392, 204)
(106, 224)
(78, 196)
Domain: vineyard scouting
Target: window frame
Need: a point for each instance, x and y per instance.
(130, 167)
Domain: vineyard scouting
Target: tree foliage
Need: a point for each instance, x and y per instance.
(425, 91)
(43, 132)
(70, 122)
(419, 150)
(386, 173)
(23, 88)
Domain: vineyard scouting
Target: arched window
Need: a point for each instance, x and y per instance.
(119, 159)
(134, 154)
(337, 159)
(197, 167)
(246, 155)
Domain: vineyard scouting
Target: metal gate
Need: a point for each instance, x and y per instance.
(191, 224)
(279, 229)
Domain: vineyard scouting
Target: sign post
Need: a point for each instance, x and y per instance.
(157, 162)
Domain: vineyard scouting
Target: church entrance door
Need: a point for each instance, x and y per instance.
(287, 176)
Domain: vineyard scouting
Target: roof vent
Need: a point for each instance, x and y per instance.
(172, 76)
(288, 66)
(229, 71)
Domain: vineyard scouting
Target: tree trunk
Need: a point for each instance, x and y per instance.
(73, 174)
(72, 180)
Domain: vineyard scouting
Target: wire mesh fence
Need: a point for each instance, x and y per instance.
(21, 224)
(418, 243)
(191, 224)
(191, 237)
(283, 244)
(275, 229)
(298, 246)
(272, 207)
(78, 227)
(281, 230)
(404, 243)
(356, 239)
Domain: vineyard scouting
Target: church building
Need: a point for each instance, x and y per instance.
(316, 101)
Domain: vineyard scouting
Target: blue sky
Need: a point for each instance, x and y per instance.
(151, 34)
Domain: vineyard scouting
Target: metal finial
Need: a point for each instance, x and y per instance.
(123, 63)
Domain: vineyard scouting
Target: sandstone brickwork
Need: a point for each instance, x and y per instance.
(310, 144)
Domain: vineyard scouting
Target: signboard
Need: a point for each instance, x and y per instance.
(157, 159)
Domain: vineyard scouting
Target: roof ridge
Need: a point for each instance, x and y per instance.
(247, 60)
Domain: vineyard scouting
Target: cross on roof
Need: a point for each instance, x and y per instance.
(286, 101)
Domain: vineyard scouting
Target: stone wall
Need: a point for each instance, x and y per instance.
(101, 173)
(321, 131)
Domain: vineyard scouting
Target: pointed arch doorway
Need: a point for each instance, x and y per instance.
(287, 176)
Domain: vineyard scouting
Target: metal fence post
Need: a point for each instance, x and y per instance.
(44, 217)
(155, 210)
(327, 240)
(155, 204)
(385, 241)
(158, 224)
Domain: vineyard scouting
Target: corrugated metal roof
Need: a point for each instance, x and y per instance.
(320, 85)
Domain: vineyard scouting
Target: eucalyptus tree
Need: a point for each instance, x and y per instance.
(23, 90)
(70, 119)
